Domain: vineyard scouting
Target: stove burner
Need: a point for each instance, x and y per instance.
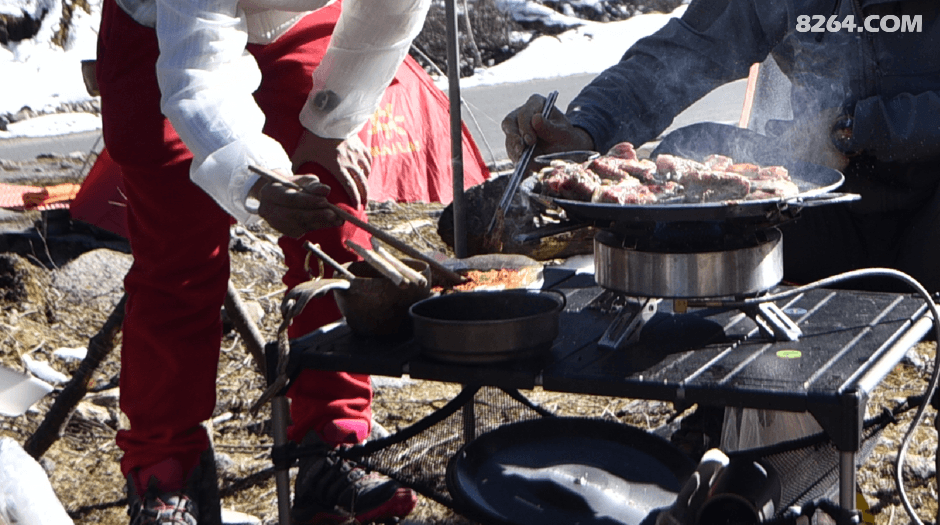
(705, 263)
(689, 263)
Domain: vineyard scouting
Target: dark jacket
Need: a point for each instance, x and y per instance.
(890, 80)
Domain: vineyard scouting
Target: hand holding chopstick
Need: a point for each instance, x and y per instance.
(494, 230)
(295, 206)
(392, 241)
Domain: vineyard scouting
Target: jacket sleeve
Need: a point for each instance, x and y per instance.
(903, 128)
(371, 39)
(714, 42)
(206, 80)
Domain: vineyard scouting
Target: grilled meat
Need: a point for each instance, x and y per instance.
(715, 186)
(719, 162)
(773, 173)
(670, 167)
(772, 189)
(622, 178)
(617, 169)
(624, 150)
(568, 181)
(746, 169)
(624, 194)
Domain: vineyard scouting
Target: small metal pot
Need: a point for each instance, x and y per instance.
(374, 307)
(487, 327)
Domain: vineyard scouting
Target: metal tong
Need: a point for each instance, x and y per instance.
(494, 230)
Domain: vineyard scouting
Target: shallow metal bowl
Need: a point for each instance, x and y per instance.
(374, 306)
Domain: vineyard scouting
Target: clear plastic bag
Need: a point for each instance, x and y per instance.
(747, 428)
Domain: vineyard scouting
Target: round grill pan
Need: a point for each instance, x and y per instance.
(696, 142)
(559, 471)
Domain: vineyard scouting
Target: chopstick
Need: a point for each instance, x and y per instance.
(379, 263)
(410, 274)
(520, 170)
(443, 271)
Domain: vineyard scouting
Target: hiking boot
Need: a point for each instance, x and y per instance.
(160, 508)
(332, 490)
(195, 502)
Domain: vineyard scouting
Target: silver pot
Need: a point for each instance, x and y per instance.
(487, 327)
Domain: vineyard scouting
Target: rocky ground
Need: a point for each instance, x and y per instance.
(59, 281)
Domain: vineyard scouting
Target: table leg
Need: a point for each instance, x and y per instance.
(469, 421)
(279, 417)
(847, 480)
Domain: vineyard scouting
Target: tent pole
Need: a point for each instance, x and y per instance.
(456, 130)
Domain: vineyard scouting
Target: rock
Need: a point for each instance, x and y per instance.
(94, 277)
(93, 415)
(914, 360)
(522, 217)
(48, 466)
(254, 311)
(109, 398)
(23, 114)
(920, 467)
(378, 432)
(20, 281)
(223, 462)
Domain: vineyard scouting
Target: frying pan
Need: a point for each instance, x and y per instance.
(560, 471)
(487, 327)
(696, 142)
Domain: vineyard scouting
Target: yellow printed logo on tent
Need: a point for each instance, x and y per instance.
(388, 125)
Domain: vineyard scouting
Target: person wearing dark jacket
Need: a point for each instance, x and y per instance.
(865, 99)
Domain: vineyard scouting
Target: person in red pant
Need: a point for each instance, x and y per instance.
(192, 94)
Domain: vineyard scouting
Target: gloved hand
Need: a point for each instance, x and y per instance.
(349, 160)
(810, 139)
(695, 490)
(525, 126)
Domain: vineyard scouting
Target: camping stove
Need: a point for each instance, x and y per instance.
(702, 263)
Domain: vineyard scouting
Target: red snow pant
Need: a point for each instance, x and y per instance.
(179, 238)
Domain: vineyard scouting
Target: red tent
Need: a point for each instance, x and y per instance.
(411, 150)
(411, 146)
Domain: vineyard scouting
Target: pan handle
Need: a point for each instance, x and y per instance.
(822, 199)
(548, 231)
(564, 300)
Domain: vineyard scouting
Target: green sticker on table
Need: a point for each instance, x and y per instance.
(789, 354)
